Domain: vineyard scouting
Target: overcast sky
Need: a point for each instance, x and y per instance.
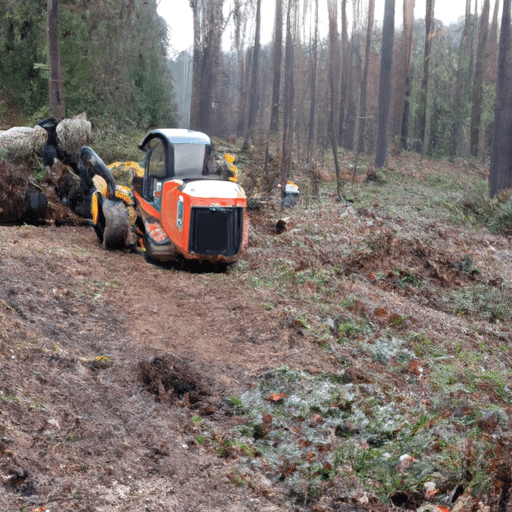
(178, 15)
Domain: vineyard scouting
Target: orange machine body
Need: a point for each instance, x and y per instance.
(185, 209)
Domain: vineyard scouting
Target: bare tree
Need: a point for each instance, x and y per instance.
(459, 84)
(240, 22)
(492, 46)
(196, 66)
(429, 34)
(364, 77)
(386, 68)
(289, 91)
(278, 52)
(478, 80)
(491, 60)
(56, 84)
(402, 71)
(500, 176)
(345, 70)
(208, 26)
(334, 59)
(351, 121)
(253, 102)
(493, 34)
(313, 109)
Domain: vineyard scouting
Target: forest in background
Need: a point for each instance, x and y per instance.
(441, 91)
(443, 77)
(113, 57)
(302, 91)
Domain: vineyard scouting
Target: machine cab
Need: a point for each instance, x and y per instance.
(171, 154)
(183, 208)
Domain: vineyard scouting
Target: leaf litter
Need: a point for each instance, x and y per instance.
(347, 362)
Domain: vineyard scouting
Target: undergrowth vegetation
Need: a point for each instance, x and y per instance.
(402, 292)
(405, 285)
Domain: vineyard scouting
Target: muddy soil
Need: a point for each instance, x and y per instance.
(105, 359)
(108, 363)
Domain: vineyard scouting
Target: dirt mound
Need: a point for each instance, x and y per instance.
(168, 378)
(401, 262)
(14, 189)
(177, 383)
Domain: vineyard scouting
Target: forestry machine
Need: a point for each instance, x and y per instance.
(177, 206)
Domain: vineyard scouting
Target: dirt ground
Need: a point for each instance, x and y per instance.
(85, 335)
(108, 362)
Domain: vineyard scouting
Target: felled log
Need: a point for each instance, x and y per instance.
(21, 199)
(74, 133)
(22, 141)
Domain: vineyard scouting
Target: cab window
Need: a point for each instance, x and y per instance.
(188, 159)
(156, 163)
(156, 170)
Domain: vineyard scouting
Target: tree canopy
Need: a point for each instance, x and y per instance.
(427, 53)
(113, 57)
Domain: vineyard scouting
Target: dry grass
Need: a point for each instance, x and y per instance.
(405, 287)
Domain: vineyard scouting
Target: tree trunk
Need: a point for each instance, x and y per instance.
(351, 129)
(312, 111)
(404, 134)
(254, 98)
(492, 48)
(345, 70)
(278, 52)
(196, 67)
(56, 84)
(207, 80)
(478, 80)
(240, 21)
(429, 21)
(242, 97)
(500, 176)
(334, 59)
(402, 71)
(208, 27)
(386, 68)
(364, 77)
(459, 85)
(289, 90)
(493, 35)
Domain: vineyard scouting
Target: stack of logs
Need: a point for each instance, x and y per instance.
(22, 142)
(21, 198)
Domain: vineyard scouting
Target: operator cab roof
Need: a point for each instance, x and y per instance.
(177, 153)
(177, 136)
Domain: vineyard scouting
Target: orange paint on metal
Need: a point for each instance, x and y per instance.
(148, 209)
(156, 232)
(176, 218)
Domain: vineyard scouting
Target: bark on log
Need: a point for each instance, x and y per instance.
(72, 134)
(22, 141)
